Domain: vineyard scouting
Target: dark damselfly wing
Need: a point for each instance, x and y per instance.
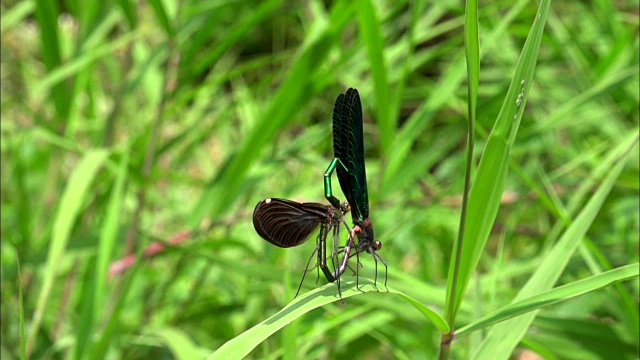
(340, 149)
(348, 146)
(348, 142)
(287, 223)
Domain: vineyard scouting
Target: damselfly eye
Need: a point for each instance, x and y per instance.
(345, 207)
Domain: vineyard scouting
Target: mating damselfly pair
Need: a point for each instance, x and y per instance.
(286, 223)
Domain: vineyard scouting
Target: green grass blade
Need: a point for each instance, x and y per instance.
(181, 346)
(109, 232)
(23, 340)
(401, 83)
(128, 9)
(55, 78)
(162, 17)
(249, 118)
(235, 34)
(242, 345)
(74, 197)
(562, 115)
(370, 33)
(472, 51)
(505, 336)
(447, 87)
(112, 327)
(87, 304)
(16, 14)
(47, 15)
(559, 294)
(295, 91)
(488, 185)
(589, 249)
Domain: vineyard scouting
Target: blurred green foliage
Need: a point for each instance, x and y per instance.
(126, 123)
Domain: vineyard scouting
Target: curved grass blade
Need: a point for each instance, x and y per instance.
(244, 343)
(177, 341)
(504, 337)
(559, 294)
(74, 197)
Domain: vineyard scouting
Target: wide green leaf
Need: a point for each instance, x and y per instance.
(242, 345)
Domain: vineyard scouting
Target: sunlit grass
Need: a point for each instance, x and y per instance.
(126, 125)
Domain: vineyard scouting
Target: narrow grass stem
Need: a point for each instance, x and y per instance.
(473, 69)
(450, 314)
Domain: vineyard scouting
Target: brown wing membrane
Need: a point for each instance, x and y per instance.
(287, 223)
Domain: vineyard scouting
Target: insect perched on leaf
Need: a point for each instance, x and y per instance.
(286, 223)
(348, 162)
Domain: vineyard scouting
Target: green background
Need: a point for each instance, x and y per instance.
(125, 124)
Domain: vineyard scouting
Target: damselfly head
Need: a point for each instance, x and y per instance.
(345, 207)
